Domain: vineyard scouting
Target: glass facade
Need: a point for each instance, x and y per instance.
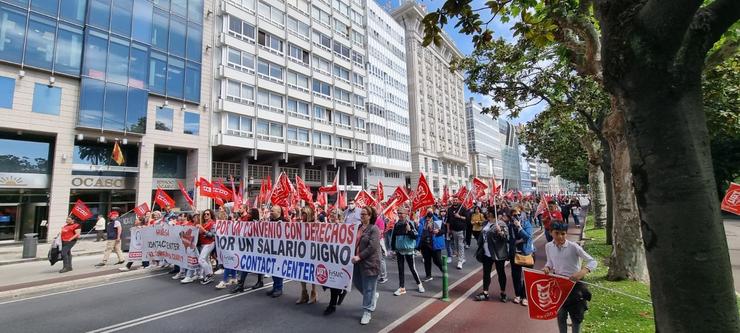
(25, 156)
(7, 89)
(46, 99)
(93, 153)
(192, 123)
(170, 164)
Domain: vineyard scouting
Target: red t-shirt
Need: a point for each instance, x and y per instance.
(548, 216)
(68, 231)
(202, 239)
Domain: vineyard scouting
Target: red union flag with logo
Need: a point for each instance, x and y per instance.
(81, 211)
(424, 196)
(546, 293)
(731, 202)
(281, 191)
(479, 188)
(363, 199)
(142, 209)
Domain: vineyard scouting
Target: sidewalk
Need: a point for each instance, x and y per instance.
(12, 254)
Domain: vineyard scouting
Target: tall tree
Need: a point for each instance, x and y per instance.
(653, 55)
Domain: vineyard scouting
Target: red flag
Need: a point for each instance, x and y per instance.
(218, 201)
(731, 201)
(462, 193)
(81, 211)
(142, 209)
(479, 188)
(542, 206)
(363, 199)
(236, 196)
(206, 188)
(546, 293)
(468, 202)
(304, 192)
(117, 155)
(281, 191)
(424, 196)
(380, 191)
(390, 211)
(445, 195)
(185, 193)
(400, 195)
(261, 196)
(220, 191)
(332, 188)
(509, 195)
(162, 199)
(321, 199)
(342, 200)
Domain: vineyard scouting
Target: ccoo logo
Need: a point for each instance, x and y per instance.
(322, 274)
(545, 294)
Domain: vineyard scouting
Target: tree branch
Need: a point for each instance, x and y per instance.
(727, 50)
(663, 23)
(707, 26)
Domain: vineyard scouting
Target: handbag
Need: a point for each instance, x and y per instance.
(405, 243)
(524, 260)
(480, 253)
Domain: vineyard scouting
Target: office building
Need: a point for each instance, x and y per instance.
(290, 92)
(78, 76)
(436, 106)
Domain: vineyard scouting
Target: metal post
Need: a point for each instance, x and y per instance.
(445, 280)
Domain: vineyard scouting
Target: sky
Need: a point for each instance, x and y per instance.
(465, 44)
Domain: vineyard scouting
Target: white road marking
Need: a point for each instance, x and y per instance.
(82, 288)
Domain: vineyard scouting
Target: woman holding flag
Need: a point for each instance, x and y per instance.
(70, 234)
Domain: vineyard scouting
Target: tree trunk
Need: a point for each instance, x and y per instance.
(596, 180)
(685, 242)
(606, 167)
(627, 261)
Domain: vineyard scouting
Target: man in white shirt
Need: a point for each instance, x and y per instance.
(564, 258)
(100, 228)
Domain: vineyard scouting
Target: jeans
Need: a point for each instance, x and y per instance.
(367, 285)
(430, 255)
(409, 258)
(487, 265)
(458, 238)
(563, 322)
(518, 280)
(548, 236)
(575, 219)
(110, 246)
(501, 273)
(277, 283)
(448, 245)
(205, 258)
(229, 274)
(468, 233)
(67, 253)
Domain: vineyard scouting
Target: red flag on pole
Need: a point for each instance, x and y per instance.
(304, 192)
(342, 200)
(142, 209)
(332, 188)
(731, 201)
(281, 191)
(462, 193)
(390, 211)
(400, 195)
(236, 196)
(221, 191)
(445, 195)
(509, 195)
(546, 293)
(162, 199)
(206, 188)
(81, 211)
(321, 199)
(185, 193)
(468, 201)
(380, 192)
(218, 201)
(363, 199)
(479, 188)
(424, 196)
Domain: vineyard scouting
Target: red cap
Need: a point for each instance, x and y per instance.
(113, 214)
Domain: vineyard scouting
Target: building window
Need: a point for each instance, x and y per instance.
(301, 5)
(157, 72)
(20, 156)
(341, 28)
(270, 42)
(298, 108)
(40, 42)
(320, 87)
(13, 30)
(322, 139)
(298, 136)
(343, 119)
(164, 120)
(177, 36)
(169, 164)
(321, 113)
(358, 58)
(270, 70)
(341, 72)
(175, 77)
(160, 30)
(321, 16)
(270, 100)
(239, 125)
(298, 81)
(242, 61)
(322, 40)
(267, 130)
(192, 82)
(192, 123)
(322, 65)
(120, 22)
(241, 29)
(298, 53)
(46, 99)
(68, 57)
(246, 4)
(239, 92)
(299, 27)
(342, 95)
(141, 29)
(271, 14)
(7, 89)
(341, 50)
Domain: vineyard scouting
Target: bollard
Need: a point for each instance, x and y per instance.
(445, 280)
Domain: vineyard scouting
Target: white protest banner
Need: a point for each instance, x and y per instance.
(318, 253)
(135, 252)
(172, 243)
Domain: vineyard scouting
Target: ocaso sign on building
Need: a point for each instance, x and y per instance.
(103, 182)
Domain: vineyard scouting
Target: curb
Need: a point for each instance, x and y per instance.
(25, 260)
(19, 294)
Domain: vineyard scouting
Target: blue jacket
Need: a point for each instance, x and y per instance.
(438, 241)
(522, 234)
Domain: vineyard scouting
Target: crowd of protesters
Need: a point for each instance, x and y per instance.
(503, 232)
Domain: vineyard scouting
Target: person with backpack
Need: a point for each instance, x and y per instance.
(431, 242)
(493, 249)
(403, 242)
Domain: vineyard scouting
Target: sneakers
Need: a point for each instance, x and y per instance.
(382, 281)
(399, 291)
(178, 276)
(524, 302)
(221, 285)
(503, 298)
(187, 279)
(100, 264)
(120, 262)
(427, 279)
(123, 269)
(366, 316)
(65, 270)
(421, 288)
(459, 265)
(232, 281)
(206, 280)
(449, 260)
(219, 271)
(239, 288)
(517, 300)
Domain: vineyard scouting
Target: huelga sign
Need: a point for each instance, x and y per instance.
(318, 253)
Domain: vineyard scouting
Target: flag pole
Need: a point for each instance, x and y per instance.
(464, 199)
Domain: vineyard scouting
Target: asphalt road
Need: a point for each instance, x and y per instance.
(156, 303)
